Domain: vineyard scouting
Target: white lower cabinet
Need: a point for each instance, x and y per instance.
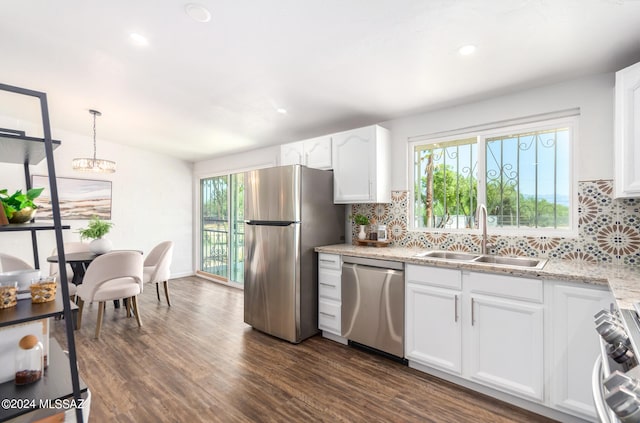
(329, 316)
(433, 331)
(574, 346)
(505, 345)
(330, 293)
(530, 338)
(503, 333)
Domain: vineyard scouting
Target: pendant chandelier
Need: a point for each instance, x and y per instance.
(94, 164)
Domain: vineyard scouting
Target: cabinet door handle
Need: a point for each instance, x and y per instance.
(455, 308)
(327, 314)
(473, 314)
(327, 284)
(327, 261)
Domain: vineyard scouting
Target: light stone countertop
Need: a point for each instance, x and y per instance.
(623, 281)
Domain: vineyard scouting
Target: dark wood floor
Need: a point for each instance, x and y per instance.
(196, 361)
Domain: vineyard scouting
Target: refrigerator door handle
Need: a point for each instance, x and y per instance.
(268, 223)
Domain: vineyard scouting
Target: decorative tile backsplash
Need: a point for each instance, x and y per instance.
(608, 230)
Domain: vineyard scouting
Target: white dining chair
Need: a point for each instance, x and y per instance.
(9, 263)
(112, 276)
(157, 267)
(54, 270)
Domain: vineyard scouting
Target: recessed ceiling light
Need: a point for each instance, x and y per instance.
(467, 50)
(138, 39)
(281, 110)
(197, 12)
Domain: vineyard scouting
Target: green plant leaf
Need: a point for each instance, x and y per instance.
(18, 200)
(8, 210)
(360, 219)
(96, 229)
(34, 193)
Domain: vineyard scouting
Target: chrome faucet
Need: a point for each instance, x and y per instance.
(481, 218)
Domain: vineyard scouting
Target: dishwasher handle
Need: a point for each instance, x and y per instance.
(384, 264)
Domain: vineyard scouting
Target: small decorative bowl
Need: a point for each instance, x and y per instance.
(23, 216)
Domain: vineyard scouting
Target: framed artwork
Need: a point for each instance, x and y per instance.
(80, 199)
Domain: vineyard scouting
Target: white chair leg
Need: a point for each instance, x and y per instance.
(101, 307)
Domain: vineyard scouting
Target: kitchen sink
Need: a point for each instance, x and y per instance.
(448, 255)
(523, 262)
(512, 261)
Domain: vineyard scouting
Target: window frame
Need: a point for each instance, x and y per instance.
(481, 135)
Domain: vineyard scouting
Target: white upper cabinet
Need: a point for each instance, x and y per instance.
(292, 153)
(317, 152)
(627, 132)
(361, 166)
(314, 152)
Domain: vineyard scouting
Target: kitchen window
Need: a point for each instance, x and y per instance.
(523, 174)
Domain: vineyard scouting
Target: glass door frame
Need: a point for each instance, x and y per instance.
(231, 232)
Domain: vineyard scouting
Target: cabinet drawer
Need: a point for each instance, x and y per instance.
(433, 276)
(329, 261)
(515, 287)
(329, 316)
(329, 285)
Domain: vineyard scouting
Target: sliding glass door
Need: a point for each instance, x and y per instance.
(236, 213)
(222, 227)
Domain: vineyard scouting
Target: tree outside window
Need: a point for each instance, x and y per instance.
(524, 180)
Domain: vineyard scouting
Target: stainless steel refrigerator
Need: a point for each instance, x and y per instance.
(289, 210)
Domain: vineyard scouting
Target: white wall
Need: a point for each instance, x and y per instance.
(152, 199)
(254, 159)
(593, 95)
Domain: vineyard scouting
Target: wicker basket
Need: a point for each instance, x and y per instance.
(43, 292)
(8, 296)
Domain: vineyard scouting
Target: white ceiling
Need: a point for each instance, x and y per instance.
(199, 90)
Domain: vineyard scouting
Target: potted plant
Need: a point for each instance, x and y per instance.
(19, 207)
(363, 221)
(96, 229)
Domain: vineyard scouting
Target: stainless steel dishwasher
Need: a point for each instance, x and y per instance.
(373, 303)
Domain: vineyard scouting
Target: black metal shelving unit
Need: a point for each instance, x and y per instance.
(17, 148)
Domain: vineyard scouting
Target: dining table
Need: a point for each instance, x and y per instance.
(79, 263)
